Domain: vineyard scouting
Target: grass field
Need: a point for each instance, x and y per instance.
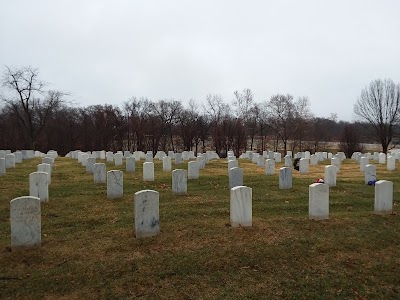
(89, 250)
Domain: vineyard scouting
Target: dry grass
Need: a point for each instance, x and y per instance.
(89, 249)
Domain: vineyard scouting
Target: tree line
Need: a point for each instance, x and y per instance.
(32, 117)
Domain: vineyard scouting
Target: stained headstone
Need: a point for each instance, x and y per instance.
(285, 178)
(179, 182)
(147, 213)
(148, 171)
(167, 165)
(39, 186)
(193, 170)
(235, 177)
(48, 160)
(270, 167)
(369, 173)
(99, 173)
(241, 213)
(383, 197)
(115, 184)
(130, 164)
(25, 219)
(330, 175)
(318, 201)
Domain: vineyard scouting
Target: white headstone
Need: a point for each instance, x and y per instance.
(39, 186)
(330, 175)
(90, 164)
(130, 164)
(278, 157)
(2, 166)
(235, 177)
(147, 213)
(318, 204)
(193, 170)
(391, 163)
(178, 158)
(115, 184)
(241, 206)
(167, 165)
(18, 157)
(383, 197)
(363, 162)
(382, 158)
(369, 173)
(260, 161)
(288, 161)
(303, 166)
(335, 161)
(109, 156)
(45, 168)
(149, 156)
(313, 160)
(99, 173)
(148, 171)
(10, 161)
(201, 161)
(285, 178)
(25, 219)
(270, 167)
(179, 182)
(118, 159)
(232, 164)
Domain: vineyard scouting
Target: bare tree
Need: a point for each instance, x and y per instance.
(28, 100)
(378, 106)
(350, 140)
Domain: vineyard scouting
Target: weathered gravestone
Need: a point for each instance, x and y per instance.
(130, 164)
(115, 184)
(18, 157)
(148, 171)
(147, 215)
(48, 160)
(167, 165)
(109, 156)
(39, 186)
(179, 182)
(278, 157)
(285, 178)
(382, 158)
(201, 161)
(99, 173)
(270, 167)
(330, 175)
(25, 219)
(369, 173)
(383, 197)
(118, 159)
(193, 170)
(45, 168)
(235, 177)
(313, 160)
(149, 156)
(260, 161)
(318, 204)
(335, 161)
(241, 213)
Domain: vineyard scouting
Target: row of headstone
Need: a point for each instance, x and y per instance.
(364, 160)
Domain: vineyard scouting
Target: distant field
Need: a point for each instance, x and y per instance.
(89, 250)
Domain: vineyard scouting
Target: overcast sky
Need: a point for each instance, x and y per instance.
(108, 51)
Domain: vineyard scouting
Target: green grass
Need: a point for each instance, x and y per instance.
(89, 249)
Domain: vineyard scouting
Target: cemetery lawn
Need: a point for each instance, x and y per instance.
(89, 249)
